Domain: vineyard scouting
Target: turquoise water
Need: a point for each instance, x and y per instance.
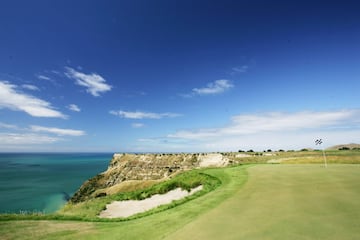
(43, 181)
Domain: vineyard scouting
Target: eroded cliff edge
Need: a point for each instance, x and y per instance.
(145, 169)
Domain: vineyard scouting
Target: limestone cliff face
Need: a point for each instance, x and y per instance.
(144, 167)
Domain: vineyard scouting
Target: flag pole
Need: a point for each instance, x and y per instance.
(319, 142)
(325, 161)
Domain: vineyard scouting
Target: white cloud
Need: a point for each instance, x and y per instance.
(138, 125)
(275, 130)
(21, 139)
(240, 69)
(286, 140)
(272, 122)
(219, 86)
(94, 83)
(258, 142)
(57, 131)
(74, 107)
(143, 115)
(49, 79)
(8, 126)
(30, 87)
(12, 99)
(42, 77)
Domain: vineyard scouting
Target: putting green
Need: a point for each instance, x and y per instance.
(286, 202)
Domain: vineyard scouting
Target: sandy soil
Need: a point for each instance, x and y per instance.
(128, 208)
(212, 160)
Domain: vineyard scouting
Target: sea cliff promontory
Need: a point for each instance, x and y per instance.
(145, 170)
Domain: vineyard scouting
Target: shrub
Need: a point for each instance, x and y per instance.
(344, 148)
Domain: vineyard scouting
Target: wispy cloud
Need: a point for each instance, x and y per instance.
(57, 131)
(30, 87)
(239, 69)
(94, 83)
(213, 88)
(43, 77)
(74, 107)
(26, 138)
(271, 122)
(143, 115)
(8, 126)
(15, 100)
(21, 139)
(137, 125)
(272, 130)
(49, 77)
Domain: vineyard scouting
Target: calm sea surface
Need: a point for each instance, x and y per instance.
(43, 181)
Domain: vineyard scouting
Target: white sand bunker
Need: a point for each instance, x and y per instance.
(128, 208)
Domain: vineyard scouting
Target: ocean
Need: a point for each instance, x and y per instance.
(43, 182)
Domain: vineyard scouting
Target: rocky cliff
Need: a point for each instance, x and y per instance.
(145, 169)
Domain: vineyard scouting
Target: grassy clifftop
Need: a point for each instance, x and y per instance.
(141, 169)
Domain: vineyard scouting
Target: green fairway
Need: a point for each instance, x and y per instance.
(286, 202)
(297, 201)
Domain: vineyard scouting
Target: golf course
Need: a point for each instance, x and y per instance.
(251, 201)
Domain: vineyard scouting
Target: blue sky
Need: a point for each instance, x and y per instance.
(178, 76)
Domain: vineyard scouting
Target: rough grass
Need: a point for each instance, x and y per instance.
(129, 186)
(348, 157)
(90, 210)
(44, 229)
(301, 157)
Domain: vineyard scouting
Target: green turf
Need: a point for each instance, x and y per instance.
(286, 202)
(297, 201)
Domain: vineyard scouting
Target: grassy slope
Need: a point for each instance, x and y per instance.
(155, 226)
(90, 209)
(286, 202)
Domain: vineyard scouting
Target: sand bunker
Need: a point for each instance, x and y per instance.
(128, 208)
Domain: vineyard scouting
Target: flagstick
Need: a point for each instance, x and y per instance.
(319, 142)
(325, 161)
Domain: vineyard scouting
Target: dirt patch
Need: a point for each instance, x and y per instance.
(213, 160)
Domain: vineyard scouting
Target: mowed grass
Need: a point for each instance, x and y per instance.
(286, 202)
(267, 201)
